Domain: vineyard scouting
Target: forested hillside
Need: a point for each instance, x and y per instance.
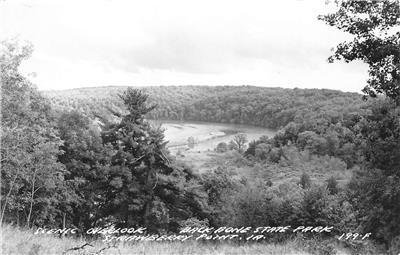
(334, 161)
(260, 106)
(325, 120)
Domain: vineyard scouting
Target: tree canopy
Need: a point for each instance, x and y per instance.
(375, 27)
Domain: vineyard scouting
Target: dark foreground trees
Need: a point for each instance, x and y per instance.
(122, 174)
(376, 186)
(69, 170)
(144, 186)
(375, 26)
(84, 174)
(32, 180)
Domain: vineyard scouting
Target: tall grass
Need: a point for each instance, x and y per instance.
(22, 241)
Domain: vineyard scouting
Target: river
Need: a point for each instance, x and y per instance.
(207, 135)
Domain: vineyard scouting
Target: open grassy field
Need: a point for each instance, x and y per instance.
(318, 168)
(207, 135)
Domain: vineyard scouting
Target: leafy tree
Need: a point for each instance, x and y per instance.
(239, 142)
(319, 208)
(87, 161)
(376, 42)
(374, 25)
(220, 186)
(376, 185)
(221, 147)
(312, 141)
(255, 206)
(32, 179)
(381, 132)
(263, 150)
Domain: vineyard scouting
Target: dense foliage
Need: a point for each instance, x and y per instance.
(260, 106)
(88, 157)
(374, 25)
(69, 171)
(32, 186)
(118, 170)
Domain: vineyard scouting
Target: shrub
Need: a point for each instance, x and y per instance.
(305, 181)
(332, 186)
(222, 147)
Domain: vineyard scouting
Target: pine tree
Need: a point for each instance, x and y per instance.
(144, 186)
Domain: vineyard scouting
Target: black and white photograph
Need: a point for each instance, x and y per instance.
(208, 127)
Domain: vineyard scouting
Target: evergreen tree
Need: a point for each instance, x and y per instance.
(144, 186)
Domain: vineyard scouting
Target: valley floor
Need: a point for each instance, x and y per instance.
(319, 169)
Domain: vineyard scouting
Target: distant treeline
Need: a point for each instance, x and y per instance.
(260, 106)
(322, 121)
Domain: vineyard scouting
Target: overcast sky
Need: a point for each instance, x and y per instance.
(147, 42)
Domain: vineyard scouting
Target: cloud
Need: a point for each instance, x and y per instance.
(117, 42)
